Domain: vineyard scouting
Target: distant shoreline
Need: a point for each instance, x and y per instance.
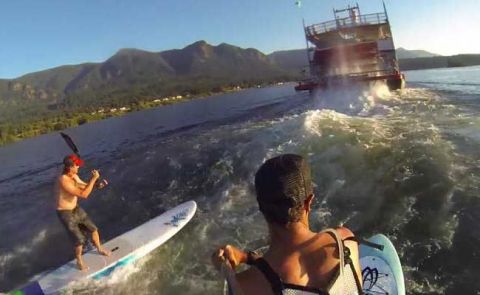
(423, 69)
(74, 118)
(436, 62)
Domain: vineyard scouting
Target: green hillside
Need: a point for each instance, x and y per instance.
(131, 79)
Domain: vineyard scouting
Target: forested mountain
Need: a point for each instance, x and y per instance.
(294, 61)
(403, 53)
(132, 74)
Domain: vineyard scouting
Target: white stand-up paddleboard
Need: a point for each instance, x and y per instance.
(381, 269)
(126, 248)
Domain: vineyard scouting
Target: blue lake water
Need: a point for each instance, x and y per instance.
(404, 163)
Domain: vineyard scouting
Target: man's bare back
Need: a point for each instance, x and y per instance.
(312, 262)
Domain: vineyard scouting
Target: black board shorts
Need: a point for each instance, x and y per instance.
(77, 223)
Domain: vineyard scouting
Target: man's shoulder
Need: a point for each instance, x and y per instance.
(64, 179)
(343, 233)
(63, 176)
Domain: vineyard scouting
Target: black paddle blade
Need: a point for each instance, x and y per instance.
(70, 142)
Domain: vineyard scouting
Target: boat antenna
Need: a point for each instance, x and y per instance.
(306, 41)
(385, 11)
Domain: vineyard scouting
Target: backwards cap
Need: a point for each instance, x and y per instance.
(69, 161)
(282, 185)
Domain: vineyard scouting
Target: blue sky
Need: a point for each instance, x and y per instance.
(40, 34)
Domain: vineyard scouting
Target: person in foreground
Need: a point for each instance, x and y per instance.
(298, 261)
(69, 188)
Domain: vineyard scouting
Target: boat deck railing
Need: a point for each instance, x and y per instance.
(359, 75)
(347, 22)
(374, 73)
(370, 73)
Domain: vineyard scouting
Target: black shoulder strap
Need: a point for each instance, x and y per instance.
(270, 275)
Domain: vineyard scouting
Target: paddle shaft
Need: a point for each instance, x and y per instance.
(71, 144)
(229, 276)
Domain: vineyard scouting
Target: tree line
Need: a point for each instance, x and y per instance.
(20, 120)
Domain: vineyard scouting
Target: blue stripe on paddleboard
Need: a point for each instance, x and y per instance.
(106, 272)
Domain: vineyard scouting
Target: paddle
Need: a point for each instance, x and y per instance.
(102, 183)
(70, 143)
(232, 287)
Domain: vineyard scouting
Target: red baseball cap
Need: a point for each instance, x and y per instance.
(73, 159)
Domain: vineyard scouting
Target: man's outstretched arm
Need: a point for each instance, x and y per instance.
(69, 186)
(80, 183)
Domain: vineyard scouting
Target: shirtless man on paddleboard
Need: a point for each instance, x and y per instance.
(69, 187)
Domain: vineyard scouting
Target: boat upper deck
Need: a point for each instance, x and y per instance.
(351, 30)
(346, 23)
